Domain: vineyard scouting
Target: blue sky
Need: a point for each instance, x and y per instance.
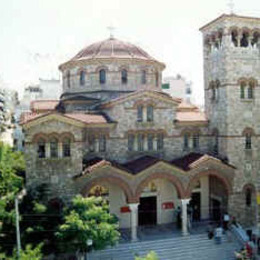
(37, 35)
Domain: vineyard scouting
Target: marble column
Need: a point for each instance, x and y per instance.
(184, 203)
(48, 150)
(134, 219)
(60, 150)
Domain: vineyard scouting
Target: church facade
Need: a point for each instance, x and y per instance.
(115, 134)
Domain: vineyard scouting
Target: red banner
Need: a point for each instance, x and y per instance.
(125, 209)
(168, 205)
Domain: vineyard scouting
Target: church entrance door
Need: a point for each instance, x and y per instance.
(147, 211)
(216, 210)
(195, 204)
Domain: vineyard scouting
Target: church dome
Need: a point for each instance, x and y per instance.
(112, 48)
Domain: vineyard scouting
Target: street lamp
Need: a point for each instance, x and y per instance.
(89, 243)
(18, 197)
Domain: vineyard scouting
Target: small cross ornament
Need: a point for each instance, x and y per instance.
(111, 30)
(231, 6)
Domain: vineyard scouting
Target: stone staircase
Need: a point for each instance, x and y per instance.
(193, 247)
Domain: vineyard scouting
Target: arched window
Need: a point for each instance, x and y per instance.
(150, 142)
(99, 191)
(242, 90)
(149, 113)
(140, 142)
(214, 93)
(82, 78)
(157, 79)
(160, 142)
(143, 79)
(244, 40)
(91, 143)
(140, 109)
(195, 141)
(102, 143)
(255, 38)
(234, 36)
(54, 148)
(102, 76)
(217, 83)
(248, 141)
(248, 197)
(66, 149)
(131, 140)
(186, 141)
(212, 86)
(250, 90)
(68, 79)
(220, 38)
(41, 148)
(124, 76)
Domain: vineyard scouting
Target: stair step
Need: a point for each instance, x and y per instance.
(178, 248)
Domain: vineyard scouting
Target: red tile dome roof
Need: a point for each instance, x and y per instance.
(112, 48)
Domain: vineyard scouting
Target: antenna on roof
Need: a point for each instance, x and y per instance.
(111, 30)
(231, 6)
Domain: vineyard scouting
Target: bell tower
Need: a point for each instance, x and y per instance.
(231, 50)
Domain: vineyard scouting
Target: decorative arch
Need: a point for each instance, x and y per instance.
(171, 178)
(242, 81)
(151, 131)
(67, 135)
(245, 30)
(80, 70)
(214, 173)
(252, 82)
(39, 136)
(148, 102)
(190, 131)
(255, 36)
(124, 67)
(250, 186)
(54, 135)
(248, 131)
(113, 180)
(102, 68)
(249, 192)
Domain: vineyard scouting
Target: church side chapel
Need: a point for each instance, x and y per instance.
(115, 134)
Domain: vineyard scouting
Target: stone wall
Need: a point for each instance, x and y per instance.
(229, 113)
(56, 173)
(113, 76)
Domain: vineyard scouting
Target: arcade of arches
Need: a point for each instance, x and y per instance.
(154, 196)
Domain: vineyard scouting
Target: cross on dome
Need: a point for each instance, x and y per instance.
(111, 30)
(231, 6)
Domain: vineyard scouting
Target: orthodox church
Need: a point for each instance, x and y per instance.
(115, 134)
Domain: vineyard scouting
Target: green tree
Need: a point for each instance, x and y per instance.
(88, 219)
(12, 167)
(40, 220)
(29, 253)
(150, 256)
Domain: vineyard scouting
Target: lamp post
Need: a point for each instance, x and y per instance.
(257, 219)
(89, 243)
(18, 197)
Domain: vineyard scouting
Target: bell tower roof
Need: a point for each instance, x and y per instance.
(228, 17)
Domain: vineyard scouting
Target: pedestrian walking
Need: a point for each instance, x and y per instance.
(218, 234)
(226, 220)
